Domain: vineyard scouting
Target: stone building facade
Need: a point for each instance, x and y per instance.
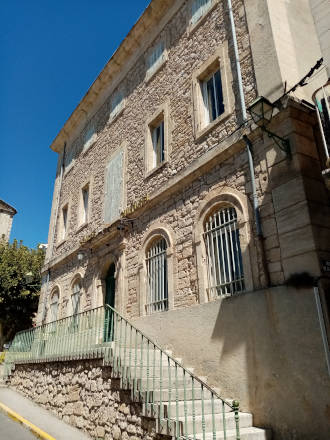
(143, 162)
(7, 213)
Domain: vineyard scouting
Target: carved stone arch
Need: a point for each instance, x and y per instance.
(77, 277)
(157, 229)
(104, 266)
(214, 200)
(55, 289)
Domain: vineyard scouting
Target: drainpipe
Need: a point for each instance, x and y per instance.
(248, 145)
(54, 229)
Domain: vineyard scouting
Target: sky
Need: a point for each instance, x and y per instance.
(50, 52)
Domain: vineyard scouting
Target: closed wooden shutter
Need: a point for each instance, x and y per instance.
(114, 188)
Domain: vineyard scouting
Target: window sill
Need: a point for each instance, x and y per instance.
(157, 168)
(200, 134)
(81, 227)
(193, 26)
(150, 76)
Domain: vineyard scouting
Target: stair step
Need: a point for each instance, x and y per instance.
(154, 383)
(245, 421)
(251, 433)
(197, 407)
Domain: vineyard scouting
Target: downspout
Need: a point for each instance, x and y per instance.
(248, 146)
(54, 229)
(321, 320)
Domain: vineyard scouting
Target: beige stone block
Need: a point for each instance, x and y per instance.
(288, 194)
(307, 262)
(274, 254)
(276, 278)
(275, 267)
(297, 242)
(271, 242)
(269, 227)
(100, 432)
(293, 217)
(301, 144)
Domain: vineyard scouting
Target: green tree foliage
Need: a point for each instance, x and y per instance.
(20, 282)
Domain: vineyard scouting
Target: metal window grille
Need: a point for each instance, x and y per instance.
(156, 262)
(225, 267)
(199, 8)
(213, 97)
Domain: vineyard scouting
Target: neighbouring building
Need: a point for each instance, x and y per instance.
(7, 213)
(174, 206)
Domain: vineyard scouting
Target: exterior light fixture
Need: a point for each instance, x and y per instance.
(80, 256)
(261, 111)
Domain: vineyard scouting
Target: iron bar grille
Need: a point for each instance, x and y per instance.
(225, 268)
(156, 263)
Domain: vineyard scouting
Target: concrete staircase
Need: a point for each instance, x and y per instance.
(182, 404)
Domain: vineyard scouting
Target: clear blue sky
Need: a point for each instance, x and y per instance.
(51, 52)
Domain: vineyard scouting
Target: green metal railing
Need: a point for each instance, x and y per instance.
(184, 406)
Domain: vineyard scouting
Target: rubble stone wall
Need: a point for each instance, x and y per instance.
(83, 394)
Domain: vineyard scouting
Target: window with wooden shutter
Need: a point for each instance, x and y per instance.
(156, 58)
(113, 197)
(116, 104)
(198, 9)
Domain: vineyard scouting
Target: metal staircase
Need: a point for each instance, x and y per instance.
(182, 404)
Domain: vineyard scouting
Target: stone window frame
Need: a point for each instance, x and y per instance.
(150, 73)
(124, 148)
(218, 61)
(82, 224)
(193, 26)
(55, 289)
(78, 277)
(162, 113)
(227, 197)
(157, 230)
(114, 116)
(61, 235)
(89, 141)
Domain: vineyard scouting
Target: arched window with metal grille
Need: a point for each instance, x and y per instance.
(75, 297)
(156, 263)
(225, 267)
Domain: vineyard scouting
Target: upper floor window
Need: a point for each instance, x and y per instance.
(225, 267)
(212, 91)
(54, 305)
(90, 138)
(199, 9)
(157, 139)
(211, 88)
(116, 104)
(85, 202)
(156, 263)
(158, 144)
(156, 58)
(65, 210)
(114, 187)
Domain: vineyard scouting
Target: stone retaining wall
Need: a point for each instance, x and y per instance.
(83, 394)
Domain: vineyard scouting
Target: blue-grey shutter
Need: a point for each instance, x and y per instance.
(113, 188)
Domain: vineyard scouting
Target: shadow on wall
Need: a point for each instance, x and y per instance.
(271, 356)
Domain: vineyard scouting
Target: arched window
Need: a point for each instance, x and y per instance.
(54, 305)
(156, 263)
(75, 297)
(224, 257)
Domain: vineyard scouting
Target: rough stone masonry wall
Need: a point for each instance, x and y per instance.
(187, 51)
(83, 394)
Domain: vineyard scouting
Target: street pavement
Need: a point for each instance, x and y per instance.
(38, 416)
(10, 430)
